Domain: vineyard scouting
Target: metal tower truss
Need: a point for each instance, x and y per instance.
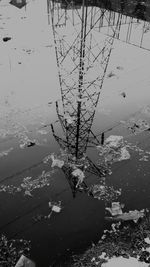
(82, 57)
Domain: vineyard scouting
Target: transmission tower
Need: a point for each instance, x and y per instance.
(82, 58)
(83, 38)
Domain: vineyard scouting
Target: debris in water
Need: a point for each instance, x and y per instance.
(30, 144)
(119, 68)
(6, 39)
(123, 94)
(113, 150)
(27, 143)
(111, 74)
(55, 206)
(116, 208)
(104, 192)
(79, 174)
(137, 126)
(56, 162)
(29, 184)
(134, 215)
(46, 159)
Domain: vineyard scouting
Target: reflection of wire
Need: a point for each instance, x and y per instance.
(21, 172)
(118, 123)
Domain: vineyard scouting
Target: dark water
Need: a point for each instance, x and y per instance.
(81, 221)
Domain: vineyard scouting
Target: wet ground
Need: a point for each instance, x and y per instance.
(28, 89)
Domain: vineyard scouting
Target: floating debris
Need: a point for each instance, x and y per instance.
(137, 126)
(118, 215)
(111, 74)
(116, 208)
(5, 152)
(123, 94)
(104, 192)
(29, 184)
(56, 162)
(27, 143)
(6, 39)
(47, 159)
(119, 68)
(79, 174)
(55, 206)
(113, 150)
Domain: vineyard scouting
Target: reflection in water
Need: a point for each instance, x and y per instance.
(82, 61)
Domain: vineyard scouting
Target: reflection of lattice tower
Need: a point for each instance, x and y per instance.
(82, 57)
